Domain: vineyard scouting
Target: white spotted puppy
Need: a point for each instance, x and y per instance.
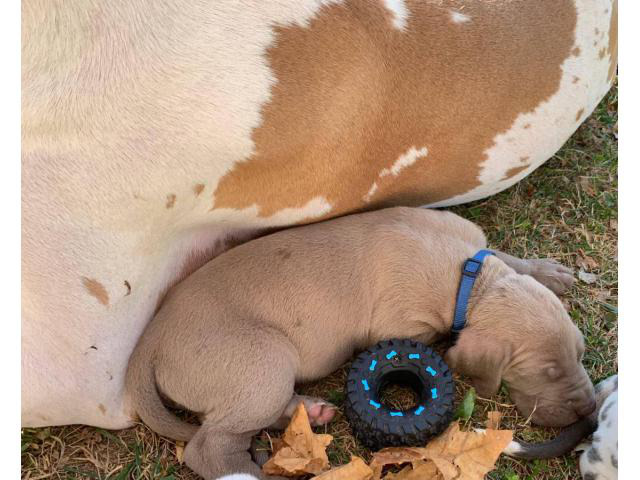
(599, 461)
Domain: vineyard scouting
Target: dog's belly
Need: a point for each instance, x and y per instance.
(131, 141)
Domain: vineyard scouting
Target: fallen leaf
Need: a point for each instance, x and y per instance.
(395, 456)
(465, 410)
(585, 262)
(356, 469)
(180, 451)
(419, 471)
(587, 187)
(473, 454)
(587, 277)
(454, 455)
(302, 450)
(493, 420)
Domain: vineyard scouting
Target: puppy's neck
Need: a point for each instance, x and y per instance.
(493, 270)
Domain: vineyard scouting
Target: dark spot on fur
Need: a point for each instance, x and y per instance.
(528, 125)
(614, 461)
(298, 323)
(198, 188)
(576, 79)
(575, 52)
(102, 408)
(589, 476)
(93, 347)
(579, 114)
(128, 287)
(594, 455)
(605, 411)
(602, 53)
(171, 200)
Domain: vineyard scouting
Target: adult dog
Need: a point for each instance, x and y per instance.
(156, 133)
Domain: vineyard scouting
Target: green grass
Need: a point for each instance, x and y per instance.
(567, 209)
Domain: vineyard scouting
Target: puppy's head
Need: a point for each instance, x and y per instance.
(520, 333)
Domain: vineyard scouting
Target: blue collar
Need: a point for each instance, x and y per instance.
(470, 270)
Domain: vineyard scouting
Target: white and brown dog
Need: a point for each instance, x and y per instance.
(157, 133)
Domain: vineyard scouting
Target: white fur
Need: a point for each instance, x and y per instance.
(459, 17)
(400, 13)
(403, 161)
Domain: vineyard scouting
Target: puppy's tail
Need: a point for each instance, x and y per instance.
(564, 443)
(140, 384)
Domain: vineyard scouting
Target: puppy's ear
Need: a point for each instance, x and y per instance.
(481, 359)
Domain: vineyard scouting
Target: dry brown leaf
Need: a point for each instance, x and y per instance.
(356, 469)
(474, 454)
(302, 450)
(419, 471)
(587, 187)
(395, 456)
(585, 262)
(180, 451)
(493, 420)
(454, 455)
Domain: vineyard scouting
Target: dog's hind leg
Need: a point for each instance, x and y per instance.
(550, 273)
(213, 454)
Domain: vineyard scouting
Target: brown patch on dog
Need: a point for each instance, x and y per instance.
(97, 290)
(512, 172)
(579, 114)
(353, 94)
(612, 49)
(102, 408)
(576, 52)
(197, 189)
(128, 287)
(171, 200)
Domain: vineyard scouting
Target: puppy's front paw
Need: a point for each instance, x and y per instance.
(552, 274)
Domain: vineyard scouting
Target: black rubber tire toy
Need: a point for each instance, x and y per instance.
(401, 362)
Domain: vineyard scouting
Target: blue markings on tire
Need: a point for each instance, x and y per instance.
(391, 354)
(419, 410)
(413, 356)
(373, 365)
(366, 385)
(396, 414)
(434, 393)
(431, 371)
(375, 405)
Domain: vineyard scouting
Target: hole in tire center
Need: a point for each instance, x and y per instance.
(400, 391)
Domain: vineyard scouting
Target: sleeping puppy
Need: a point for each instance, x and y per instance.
(232, 340)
